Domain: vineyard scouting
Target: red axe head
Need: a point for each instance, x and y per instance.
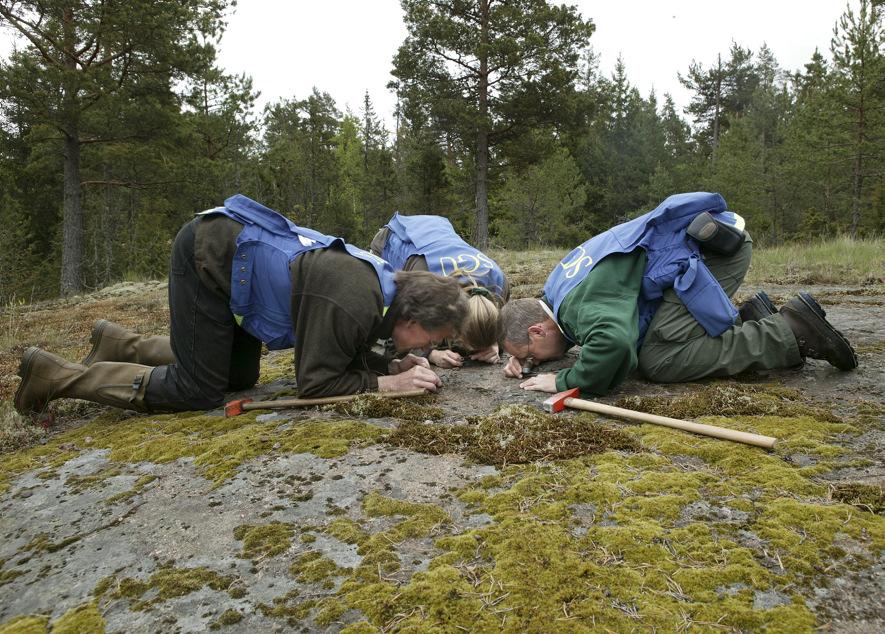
(556, 403)
(235, 408)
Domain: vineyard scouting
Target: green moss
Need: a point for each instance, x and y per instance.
(741, 466)
(275, 367)
(420, 518)
(346, 531)
(329, 611)
(360, 627)
(7, 576)
(28, 624)
(47, 457)
(663, 538)
(103, 586)
(313, 567)
(869, 497)
(41, 543)
(730, 399)
(137, 488)
(218, 445)
(512, 435)
(167, 583)
(84, 619)
(308, 538)
(807, 537)
(870, 414)
(264, 540)
(79, 483)
(870, 348)
(288, 607)
(377, 406)
(228, 617)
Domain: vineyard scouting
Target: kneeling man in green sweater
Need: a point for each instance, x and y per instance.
(655, 293)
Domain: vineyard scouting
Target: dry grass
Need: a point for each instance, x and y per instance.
(527, 270)
(62, 326)
(841, 261)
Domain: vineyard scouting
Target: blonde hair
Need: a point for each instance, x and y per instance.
(479, 329)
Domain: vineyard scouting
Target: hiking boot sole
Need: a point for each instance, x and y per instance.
(818, 315)
(809, 301)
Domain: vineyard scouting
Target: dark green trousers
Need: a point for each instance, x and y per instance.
(677, 348)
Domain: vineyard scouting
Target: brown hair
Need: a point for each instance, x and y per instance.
(432, 300)
(516, 318)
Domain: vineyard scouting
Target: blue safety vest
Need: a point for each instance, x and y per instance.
(444, 250)
(260, 281)
(674, 260)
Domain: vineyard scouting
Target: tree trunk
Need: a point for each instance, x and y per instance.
(718, 107)
(72, 213)
(481, 233)
(857, 184)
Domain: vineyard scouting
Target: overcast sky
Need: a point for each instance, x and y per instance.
(345, 47)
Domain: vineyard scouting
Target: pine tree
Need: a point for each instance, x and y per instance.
(483, 68)
(82, 53)
(859, 66)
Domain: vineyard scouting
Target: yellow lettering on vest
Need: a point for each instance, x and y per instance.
(580, 260)
(466, 264)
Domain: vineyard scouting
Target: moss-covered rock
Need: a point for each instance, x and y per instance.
(514, 434)
(218, 445)
(416, 408)
(264, 540)
(167, 583)
(228, 617)
(27, 624)
(84, 619)
(869, 497)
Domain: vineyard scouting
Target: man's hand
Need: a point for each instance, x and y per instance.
(513, 368)
(415, 378)
(445, 358)
(409, 361)
(541, 383)
(489, 355)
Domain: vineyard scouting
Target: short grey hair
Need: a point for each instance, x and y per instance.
(517, 316)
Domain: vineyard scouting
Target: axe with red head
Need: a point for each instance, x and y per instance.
(569, 398)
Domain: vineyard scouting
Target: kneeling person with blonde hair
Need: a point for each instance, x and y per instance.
(430, 243)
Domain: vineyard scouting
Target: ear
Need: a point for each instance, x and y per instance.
(537, 330)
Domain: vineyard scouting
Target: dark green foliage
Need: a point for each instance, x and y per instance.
(548, 153)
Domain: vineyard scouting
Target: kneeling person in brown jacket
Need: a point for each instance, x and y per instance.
(241, 275)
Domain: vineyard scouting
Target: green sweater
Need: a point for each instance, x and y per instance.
(602, 316)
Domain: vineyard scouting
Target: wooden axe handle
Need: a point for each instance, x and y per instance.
(698, 428)
(326, 400)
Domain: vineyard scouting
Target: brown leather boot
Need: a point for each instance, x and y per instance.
(815, 335)
(112, 342)
(46, 377)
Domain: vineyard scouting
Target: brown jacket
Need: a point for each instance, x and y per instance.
(337, 310)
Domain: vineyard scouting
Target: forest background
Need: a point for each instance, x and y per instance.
(117, 124)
